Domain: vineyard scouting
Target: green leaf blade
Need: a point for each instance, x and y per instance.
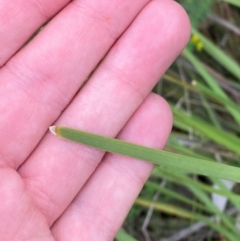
(162, 158)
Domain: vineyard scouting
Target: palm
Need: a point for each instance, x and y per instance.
(51, 189)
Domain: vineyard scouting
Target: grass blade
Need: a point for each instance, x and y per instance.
(221, 137)
(233, 2)
(226, 61)
(162, 158)
(186, 214)
(123, 236)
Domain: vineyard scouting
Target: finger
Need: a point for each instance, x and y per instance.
(40, 81)
(102, 205)
(19, 218)
(20, 19)
(57, 169)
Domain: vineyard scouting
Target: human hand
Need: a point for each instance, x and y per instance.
(52, 189)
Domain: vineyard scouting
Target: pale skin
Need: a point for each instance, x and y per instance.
(52, 189)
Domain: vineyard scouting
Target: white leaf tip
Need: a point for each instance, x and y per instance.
(53, 130)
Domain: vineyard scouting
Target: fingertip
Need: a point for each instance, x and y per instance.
(151, 123)
(162, 117)
(174, 19)
(182, 21)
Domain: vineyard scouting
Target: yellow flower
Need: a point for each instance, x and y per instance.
(199, 46)
(195, 39)
(197, 42)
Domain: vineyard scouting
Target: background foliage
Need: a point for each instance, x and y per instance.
(203, 89)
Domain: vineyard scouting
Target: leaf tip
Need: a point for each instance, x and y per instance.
(53, 130)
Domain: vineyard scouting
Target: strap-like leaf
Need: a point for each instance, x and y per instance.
(164, 159)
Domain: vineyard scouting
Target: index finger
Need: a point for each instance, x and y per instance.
(41, 79)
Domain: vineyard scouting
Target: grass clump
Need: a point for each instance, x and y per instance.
(203, 89)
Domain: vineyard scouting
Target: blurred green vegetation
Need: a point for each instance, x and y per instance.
(203, 89)
(197, 10)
